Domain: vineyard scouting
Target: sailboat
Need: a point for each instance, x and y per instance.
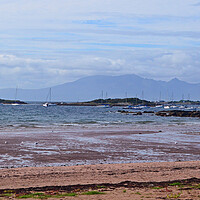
(103, 105)
(15, 103)
(48, 103)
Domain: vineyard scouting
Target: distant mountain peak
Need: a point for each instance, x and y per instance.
(174, 80)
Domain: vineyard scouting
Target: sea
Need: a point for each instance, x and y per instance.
(73, 135)
(36, 116)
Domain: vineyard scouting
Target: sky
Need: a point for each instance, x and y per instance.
(49, 42)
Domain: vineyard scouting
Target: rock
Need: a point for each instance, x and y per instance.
(148, 111)
(139, 113)
(178, 113)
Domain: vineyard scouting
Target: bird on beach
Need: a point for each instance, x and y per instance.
(6, 142)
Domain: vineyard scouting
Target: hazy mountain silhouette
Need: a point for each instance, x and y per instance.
(91, 87)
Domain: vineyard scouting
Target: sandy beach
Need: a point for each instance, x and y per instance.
(109, 164)
(116, 181)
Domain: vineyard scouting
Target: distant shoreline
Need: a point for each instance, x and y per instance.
(120, 102)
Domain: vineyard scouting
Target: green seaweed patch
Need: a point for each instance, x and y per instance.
(65, 195)
(101, 186)
(44, 196)
(6, 195)
(157, 188)
(176, 184)
(92, 193)
(37, 195)
(196, 186)
(138, 193)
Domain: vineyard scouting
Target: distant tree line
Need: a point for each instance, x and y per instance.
(132, 101)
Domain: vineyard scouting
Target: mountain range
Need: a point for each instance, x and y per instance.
(94, 87)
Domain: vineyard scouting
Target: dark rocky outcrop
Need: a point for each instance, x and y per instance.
(148, 111)
(178, 113)
(130, 112)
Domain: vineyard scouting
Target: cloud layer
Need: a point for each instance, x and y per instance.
(44, 43)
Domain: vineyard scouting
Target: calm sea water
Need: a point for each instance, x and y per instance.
(37, 116)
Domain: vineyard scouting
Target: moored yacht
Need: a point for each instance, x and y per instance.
(48, 103)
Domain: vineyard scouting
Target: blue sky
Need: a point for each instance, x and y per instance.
(49, 42)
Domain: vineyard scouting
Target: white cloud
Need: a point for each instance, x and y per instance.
(157, 64)
(49, 42)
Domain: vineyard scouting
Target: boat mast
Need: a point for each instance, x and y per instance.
(16, 94)
(50, 95)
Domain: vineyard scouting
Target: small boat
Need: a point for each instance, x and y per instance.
(133, 107)
(159, 106)
(45, 104)
(48, 103)
(173, 106)
(182, 107)
(166, 107)
(15, 103)
(104, 106)
(128, 107)
(144, 107)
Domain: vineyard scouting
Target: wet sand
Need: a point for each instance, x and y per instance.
(103, 146)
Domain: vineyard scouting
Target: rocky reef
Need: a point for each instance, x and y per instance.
(178, 113)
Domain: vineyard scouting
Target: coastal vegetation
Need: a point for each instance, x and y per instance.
(112, 102)
(132, 101)
(4, 101)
